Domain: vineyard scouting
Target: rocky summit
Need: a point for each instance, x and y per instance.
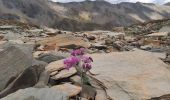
(88, 50)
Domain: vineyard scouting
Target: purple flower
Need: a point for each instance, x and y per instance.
(87, 59)
(87, 66)
(71, 62)
(78, 58)
(78, 52)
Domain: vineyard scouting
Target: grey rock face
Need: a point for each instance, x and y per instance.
(26, 79)
(37, 94)
(136, 75)
(13, 61)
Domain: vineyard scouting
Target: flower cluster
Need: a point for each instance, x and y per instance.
(78, 58)
(78, 52)
(87, 62)
(70, 62)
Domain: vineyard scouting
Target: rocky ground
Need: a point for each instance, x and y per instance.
(124, 68)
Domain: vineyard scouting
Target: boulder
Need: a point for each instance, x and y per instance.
(27, 78)
(65, 74)
(13, 61)
(26, 48)
(37, 94)
(135, 75)
(70, 89)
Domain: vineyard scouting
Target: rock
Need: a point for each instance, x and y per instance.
(135, 75)
(109, 42)
(99, 46)
(65, 73)
(55, 66)
(110, 49)
(36, 54)
(53, 73)
(16, 41)
(167, 52)
(65, 41)
(146, 47)
(167, 59)
(76, 79)
(37, 94)
(2, 42)
(91, 38)
(88, 92)
(164, 97)
(48, 58)
(1, 37)
(128, 48)
(118, 45)
(26, 79)
(1, 50)
(13, 61)
(70, 89)
(26, 48)
(84, 99)
(101, 95)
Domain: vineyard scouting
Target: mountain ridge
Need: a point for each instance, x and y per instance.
(79, 16)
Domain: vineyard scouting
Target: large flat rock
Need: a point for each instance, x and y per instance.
(65, 41)
(13, 61)
(37, 94)
(136, 75)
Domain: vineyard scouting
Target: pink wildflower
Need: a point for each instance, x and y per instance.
(87, 59)
(78, 52)
(86, 66)
(71, 62)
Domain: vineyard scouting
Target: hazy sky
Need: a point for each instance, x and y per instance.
(117, 1)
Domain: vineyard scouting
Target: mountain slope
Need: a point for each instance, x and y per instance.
(78, 16)
(102, 12)
(34, 11)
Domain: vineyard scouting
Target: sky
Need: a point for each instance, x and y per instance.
(118, 1)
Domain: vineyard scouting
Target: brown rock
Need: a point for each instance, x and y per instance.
(62, 40)
(55, 66)
(65, 73)
(70, 89)
(53, 73)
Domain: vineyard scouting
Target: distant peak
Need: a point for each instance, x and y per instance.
(167, 4)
